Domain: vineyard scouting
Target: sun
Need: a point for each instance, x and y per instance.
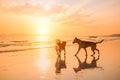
(43, 30)
(43, 25)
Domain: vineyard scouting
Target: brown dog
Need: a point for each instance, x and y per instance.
(85, 44)
(60, 45)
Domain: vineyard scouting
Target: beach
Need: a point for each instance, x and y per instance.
(36, 63)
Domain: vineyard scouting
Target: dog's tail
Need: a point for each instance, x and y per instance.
(100, 41)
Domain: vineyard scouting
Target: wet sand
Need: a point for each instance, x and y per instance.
(44, 64)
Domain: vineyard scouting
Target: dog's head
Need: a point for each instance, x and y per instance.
(57, 41)
(75, 40)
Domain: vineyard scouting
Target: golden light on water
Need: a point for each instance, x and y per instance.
(43, 62)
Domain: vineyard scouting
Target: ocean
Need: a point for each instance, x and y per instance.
(22, 43)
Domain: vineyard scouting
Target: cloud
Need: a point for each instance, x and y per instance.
(59, 13)
(27, 9)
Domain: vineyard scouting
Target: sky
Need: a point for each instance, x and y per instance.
(60, 17)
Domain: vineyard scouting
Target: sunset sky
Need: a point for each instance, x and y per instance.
(60, 17)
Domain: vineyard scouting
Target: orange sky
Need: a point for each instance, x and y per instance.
(60, 17)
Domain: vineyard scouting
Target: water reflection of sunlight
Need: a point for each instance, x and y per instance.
(43, 61)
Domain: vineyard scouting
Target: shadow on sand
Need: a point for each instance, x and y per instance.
(85, 65)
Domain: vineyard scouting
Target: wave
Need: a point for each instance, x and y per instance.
(112, 39)
(8, 44)
(24, 45)
(20, 41)
(24, 49)
(5, 51)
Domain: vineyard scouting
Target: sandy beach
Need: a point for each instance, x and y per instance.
(41, 64)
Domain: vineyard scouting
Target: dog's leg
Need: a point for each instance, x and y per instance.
(85, 51)
(64, 52)
(78, 51)
(59, 52)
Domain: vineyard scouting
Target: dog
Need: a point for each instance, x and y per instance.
(85, 44)
(60, 45)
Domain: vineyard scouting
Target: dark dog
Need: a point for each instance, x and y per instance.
(85, 44)
(60, 45)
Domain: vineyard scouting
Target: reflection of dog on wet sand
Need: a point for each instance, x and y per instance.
(85, 44)
(85, 65)
(60, 45)
(60, 64)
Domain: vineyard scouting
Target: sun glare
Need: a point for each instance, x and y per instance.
(42, 25)
(43, 30)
